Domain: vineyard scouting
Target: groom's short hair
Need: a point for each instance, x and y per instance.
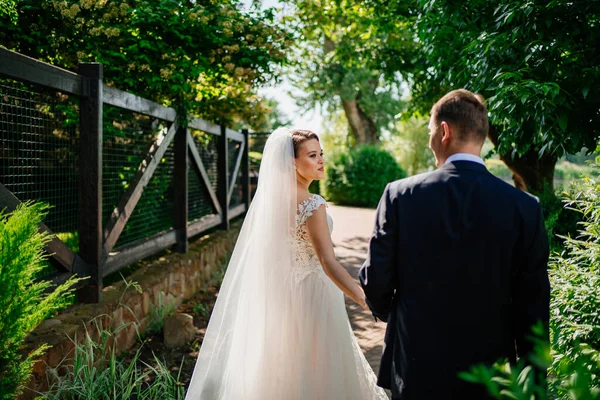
(464, 110)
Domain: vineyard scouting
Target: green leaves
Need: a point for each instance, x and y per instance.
(562, 121)
(537, 78)
(8, 8)
(210, 55)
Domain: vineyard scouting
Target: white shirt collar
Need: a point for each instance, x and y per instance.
(464, 157)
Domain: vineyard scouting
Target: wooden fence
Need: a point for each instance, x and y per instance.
(97, 253)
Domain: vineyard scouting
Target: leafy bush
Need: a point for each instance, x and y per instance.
(315, 187)
(358, 177)
(23, 301)
(97, 372)
(255, 158)
(574, 380)
(574, 321)
(560, 220)
(575, 274)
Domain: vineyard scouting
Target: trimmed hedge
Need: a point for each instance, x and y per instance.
(359, 176)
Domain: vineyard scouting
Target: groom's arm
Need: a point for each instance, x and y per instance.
(531, 288)
(378, 274)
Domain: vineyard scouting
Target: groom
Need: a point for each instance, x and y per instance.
(457, 264)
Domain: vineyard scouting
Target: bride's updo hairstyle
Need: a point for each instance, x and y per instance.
(300, 136)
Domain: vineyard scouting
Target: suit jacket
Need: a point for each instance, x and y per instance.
(457, 266)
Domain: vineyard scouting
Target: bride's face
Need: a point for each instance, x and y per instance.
(309, 160)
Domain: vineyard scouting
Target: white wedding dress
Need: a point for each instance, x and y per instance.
(279, 329)
(333, 366)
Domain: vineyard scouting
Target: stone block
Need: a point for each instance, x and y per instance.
(178, 330)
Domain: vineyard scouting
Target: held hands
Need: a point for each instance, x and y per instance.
(360, 298)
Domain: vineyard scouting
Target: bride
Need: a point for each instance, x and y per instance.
(279, 329)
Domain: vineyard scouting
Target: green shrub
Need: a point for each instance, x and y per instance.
(574, 380)
(574, 365)
(315, 187)
(358, 177)
(23, 301)
(560, 220)
(254, 158)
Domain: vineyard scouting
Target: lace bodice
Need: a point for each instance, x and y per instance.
(305, 259)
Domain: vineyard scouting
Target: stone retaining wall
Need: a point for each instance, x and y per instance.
(170, 280)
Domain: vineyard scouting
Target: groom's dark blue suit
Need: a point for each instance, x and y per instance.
(457, 266)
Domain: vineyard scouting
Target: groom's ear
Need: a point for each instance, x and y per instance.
(447, 133)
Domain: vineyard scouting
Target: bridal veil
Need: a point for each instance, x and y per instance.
(250, 335)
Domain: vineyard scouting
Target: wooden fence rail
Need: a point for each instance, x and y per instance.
(98, 252)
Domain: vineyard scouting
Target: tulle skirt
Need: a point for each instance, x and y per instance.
(331, 365)
(309, 353)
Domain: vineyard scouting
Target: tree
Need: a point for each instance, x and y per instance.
(409, 143)
(274, 116)
(536, 62)
(338, 63)
(206, 56)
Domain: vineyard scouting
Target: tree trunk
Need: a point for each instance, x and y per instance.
(530, 171)
(363, 128)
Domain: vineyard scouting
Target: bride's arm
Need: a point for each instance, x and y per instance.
(318, 231)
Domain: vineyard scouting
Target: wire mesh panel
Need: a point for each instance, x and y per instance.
(127, 139)
(207, 147)
(234, 149)
(39, 145)
(199, 202)
(154, 212)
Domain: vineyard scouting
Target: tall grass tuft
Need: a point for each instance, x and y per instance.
(97, 372)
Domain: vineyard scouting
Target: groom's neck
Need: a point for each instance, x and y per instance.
(465, 148)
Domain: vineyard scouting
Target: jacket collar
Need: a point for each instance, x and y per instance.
(464, 165)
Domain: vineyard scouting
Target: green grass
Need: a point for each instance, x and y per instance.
(98, 372)
(564, 174)
(159, 313)
(202, 309)
(568, 172)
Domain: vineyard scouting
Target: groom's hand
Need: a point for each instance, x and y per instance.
(378, 274)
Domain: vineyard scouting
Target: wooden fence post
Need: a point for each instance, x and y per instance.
(90, 180)
(246, 171)
(223, 176)
(180, 211)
